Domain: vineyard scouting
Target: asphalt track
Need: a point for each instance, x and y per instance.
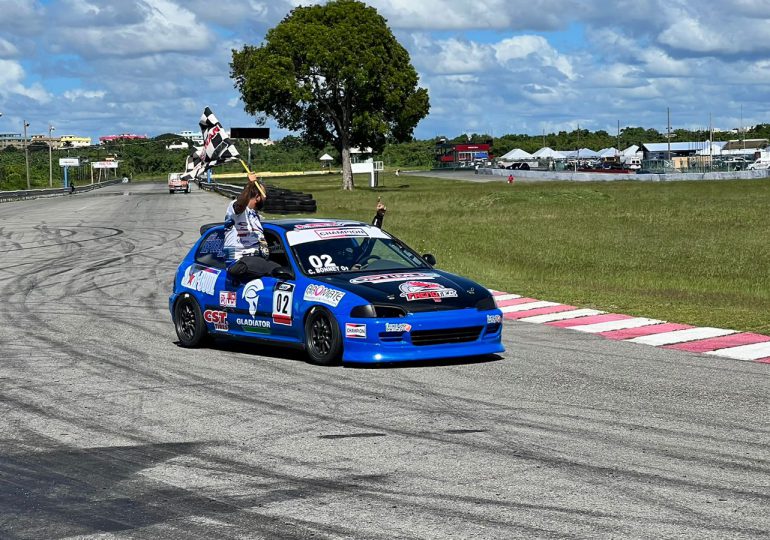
(108, 429)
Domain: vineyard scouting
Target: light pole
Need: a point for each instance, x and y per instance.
(50, 160)
(26, 152)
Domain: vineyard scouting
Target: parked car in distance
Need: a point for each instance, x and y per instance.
(175, 183)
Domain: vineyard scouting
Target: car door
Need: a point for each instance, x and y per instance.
(265, 307)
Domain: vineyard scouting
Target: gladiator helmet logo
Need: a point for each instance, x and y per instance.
(251, 295)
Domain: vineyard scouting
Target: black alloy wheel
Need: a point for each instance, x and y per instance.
(188, 322)
(323, 341)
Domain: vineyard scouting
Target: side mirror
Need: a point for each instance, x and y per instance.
(283, 273)
(429, 258)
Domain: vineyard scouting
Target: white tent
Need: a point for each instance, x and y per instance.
(608, 152)
(587, 153)
(547, 152)
(326, 157)
(631, 150)
(515, 155)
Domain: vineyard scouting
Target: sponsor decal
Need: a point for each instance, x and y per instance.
(227, 299)
(254, 326)
(217, 318)
(316, 225)
(341, 232)
(214, 244)
(200, 278)
(425, 290)
(384, 278)
(492, 319)
(251, 294)
(397, 327)
(355, 331)
(283, 297)
(323, 294)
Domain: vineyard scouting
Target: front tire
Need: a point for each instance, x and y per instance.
(188, 322)
(323, 342)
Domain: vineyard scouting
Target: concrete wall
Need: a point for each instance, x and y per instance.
(598, 177)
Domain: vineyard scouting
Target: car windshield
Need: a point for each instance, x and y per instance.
(323, 251)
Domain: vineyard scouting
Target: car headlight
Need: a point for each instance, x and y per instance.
(486, 304)
(370, 311)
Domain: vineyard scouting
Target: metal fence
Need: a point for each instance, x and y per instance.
(21, 194)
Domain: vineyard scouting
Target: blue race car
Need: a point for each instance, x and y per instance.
(342, 290)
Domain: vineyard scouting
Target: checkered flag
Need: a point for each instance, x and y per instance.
(217, 147)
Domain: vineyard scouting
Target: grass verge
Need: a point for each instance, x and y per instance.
(690, 252)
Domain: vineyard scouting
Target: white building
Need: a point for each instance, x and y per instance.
(197, 137)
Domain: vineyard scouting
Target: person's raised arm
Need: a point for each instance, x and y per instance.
(243, 199)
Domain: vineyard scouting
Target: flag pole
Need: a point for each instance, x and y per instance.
(259, 185)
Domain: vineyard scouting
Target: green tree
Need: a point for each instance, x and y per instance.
(336, 74)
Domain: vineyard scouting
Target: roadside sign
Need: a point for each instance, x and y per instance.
(69, 162)
(104, 164)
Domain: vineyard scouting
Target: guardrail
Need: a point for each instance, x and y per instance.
(21, 194)
(598, 176)
(279, 200)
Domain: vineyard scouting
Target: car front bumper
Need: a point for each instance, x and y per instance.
(423, 336)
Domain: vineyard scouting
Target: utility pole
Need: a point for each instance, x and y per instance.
(50, 156)
(26, 152)
(668, 131)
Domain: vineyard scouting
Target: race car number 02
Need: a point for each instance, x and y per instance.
(282, 300)
(320, 262)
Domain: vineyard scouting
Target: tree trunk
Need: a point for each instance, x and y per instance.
(347, 170)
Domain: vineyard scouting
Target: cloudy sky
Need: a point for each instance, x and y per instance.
(100, 67)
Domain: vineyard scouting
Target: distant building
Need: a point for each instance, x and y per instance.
(262, 142)
(121, 137)
(74, 141)
(196, 137)
(179, 145)
(11, 139)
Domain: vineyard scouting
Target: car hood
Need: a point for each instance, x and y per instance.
(423, 290)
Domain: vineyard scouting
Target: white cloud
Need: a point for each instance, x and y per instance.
(535, 49)
(129, 29)
(77, 95)
(11, 82)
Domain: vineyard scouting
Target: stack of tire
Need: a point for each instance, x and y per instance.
(286, 201)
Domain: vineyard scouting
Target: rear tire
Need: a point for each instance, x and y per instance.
(323, 341)
(188, 323)
(171, 191)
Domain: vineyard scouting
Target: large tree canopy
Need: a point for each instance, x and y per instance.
(336, 74)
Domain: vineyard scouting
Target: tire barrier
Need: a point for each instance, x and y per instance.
(21, 194)
(279, 200)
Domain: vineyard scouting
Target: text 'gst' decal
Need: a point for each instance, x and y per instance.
(200, 278)
(403, 276)
(355, 331)
(255, 326)
(251, 294)
(323, 294)
(217, 318)
(397, 327)
(425, 290)
(227, 299)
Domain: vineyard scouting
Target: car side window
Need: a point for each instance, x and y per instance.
(211, 251)
(276, 248)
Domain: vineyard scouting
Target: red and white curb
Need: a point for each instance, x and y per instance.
(683, 337)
